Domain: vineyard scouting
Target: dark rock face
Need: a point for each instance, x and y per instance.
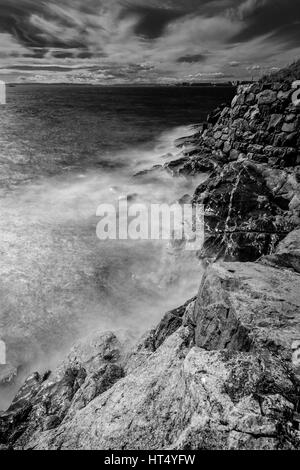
(243, 220)
(287, 254)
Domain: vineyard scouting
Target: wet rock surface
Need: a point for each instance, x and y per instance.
(245, 306)
(243, 219)
(223, 370)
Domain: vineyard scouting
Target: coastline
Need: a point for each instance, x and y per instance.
(222, 371)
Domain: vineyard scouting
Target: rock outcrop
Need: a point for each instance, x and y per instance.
(44, 400)
(223, 370)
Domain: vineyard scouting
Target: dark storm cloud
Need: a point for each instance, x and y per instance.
(280, 18)
(210, 36)
(152, 21)
(86, 55)
(62, 54)
(16, 19)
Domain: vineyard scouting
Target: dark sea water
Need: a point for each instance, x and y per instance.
(63, 151)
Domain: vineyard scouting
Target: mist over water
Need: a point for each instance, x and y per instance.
(58, 281)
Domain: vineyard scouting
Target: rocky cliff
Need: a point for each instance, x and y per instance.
(222, 371)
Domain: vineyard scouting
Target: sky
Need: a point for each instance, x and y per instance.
(146, 41)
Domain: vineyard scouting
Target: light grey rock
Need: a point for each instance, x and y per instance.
(183, 398)
(217, 135)
(290, 118)
(284, 95)
(227, 147)
(250, 99)
(295, 205)
(234, 155)
(289, 127)
(275, 122)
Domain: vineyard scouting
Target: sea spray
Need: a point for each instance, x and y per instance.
(63, 151)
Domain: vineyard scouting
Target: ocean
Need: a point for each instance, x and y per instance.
(64, 150)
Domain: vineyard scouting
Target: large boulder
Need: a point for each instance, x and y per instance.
(266, 97)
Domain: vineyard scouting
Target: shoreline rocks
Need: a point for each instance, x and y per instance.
(223, 370)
